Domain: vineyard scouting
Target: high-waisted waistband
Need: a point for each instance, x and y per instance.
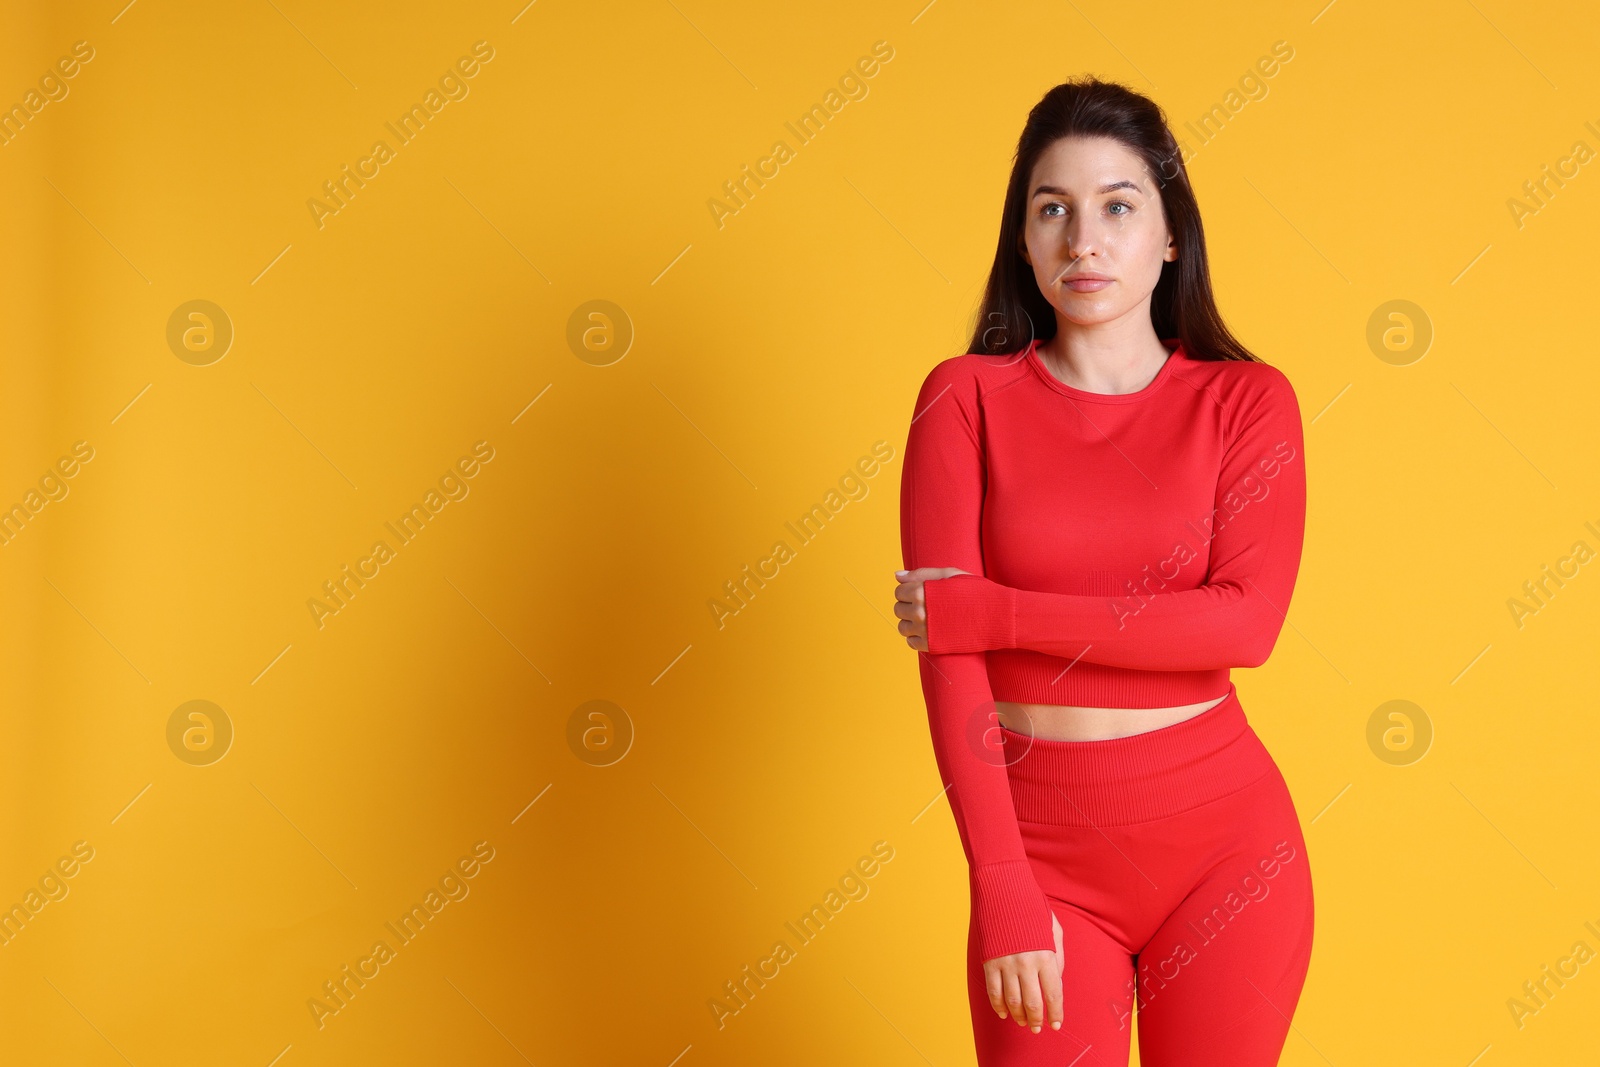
(1137, 778)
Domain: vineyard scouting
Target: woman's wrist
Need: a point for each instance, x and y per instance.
(1012, 913)
(969, 613)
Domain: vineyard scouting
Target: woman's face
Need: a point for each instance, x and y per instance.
(1094, 209)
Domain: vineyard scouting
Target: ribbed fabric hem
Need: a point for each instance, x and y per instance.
(1124, 780)
(1028, 677)
(969, 613)
(1009, 910)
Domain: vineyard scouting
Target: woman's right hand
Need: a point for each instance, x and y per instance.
(1028, 984)
(911, 607)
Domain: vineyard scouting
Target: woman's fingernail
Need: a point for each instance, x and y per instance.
(901, 574)
(1036, 1029)
(1055, 1026)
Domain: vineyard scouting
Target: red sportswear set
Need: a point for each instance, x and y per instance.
(1125, 551)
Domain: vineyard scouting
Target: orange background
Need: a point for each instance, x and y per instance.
(643, 458)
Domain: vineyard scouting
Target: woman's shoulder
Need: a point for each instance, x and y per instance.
(1239, 382)
(973, 374)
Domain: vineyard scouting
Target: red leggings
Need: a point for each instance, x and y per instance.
(1174, 855)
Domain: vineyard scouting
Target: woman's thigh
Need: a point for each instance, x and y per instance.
(1219, 979)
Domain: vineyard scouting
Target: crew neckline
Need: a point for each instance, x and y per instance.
(1175, 352)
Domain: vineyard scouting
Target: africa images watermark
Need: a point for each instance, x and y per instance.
(337, 992)
(1210, 124)
(1155, 974)
(1538, 992)
(340, 590)
(852, 886)
(852, 486)
(852, 86)
(52, 487)
(1250, 487)
(52, 87)
(1538, 192)
(52, 887)
(1538, 592)
(339, 191)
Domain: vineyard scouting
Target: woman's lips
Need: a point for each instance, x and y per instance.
(1086, 285)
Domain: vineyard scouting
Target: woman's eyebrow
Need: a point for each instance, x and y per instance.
(1057, 191)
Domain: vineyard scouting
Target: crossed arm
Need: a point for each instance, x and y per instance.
(940, 508)
(1256, 528)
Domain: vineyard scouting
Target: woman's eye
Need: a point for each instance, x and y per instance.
(1122, 203)
(1047, 208)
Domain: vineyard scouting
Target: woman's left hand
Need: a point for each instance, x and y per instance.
(909, 605)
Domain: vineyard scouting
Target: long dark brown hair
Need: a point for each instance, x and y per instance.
(1014, 311)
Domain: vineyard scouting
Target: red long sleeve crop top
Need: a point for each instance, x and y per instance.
(1125, 551)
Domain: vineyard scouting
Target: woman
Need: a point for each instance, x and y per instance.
(1098, 524)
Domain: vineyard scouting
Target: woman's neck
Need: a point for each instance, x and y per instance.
(1098, 368)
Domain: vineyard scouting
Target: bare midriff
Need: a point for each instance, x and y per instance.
(1058, 722)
